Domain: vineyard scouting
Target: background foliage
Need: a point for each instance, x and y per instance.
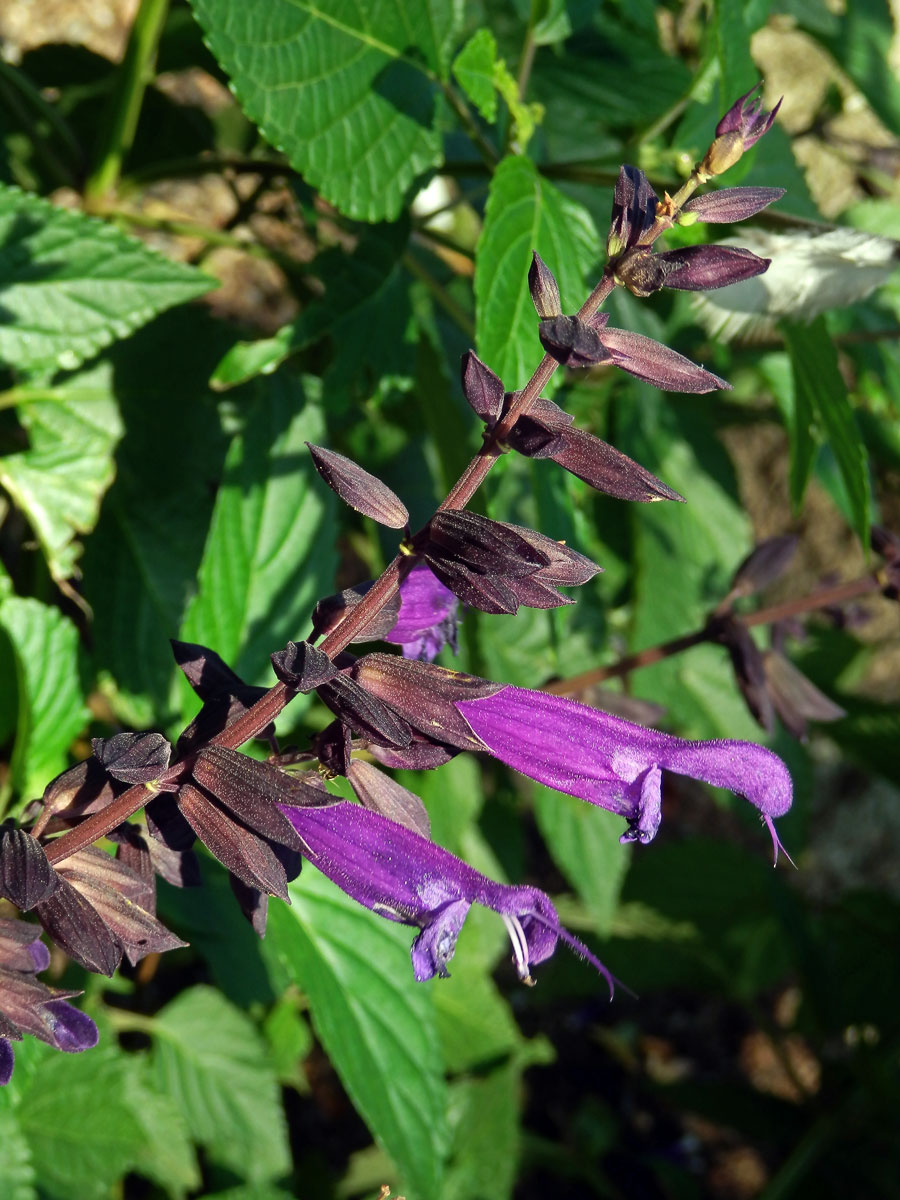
(230, 228)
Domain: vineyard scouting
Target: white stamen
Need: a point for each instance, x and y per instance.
(519, 945)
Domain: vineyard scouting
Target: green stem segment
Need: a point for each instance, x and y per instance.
(134, 74)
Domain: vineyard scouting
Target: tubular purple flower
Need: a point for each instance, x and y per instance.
(616, 764)
(428, 619)
(403, 877)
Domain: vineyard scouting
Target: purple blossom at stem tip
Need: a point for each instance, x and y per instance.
(616, 764)
(404, 877)
(748, 118)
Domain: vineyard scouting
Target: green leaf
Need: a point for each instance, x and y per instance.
(376, 1023)
(59, 481)
(212, 1062)
(357, 296)
(736, 70)
(271, 552)
(366, 79)
(141, 561)
(74, 1112)
(474, 70)
(17, 1174)
(73, 284)
(584, 843)
(686, 553)
(862, 46)
(524, 213)
(475, 1023)
(820, 388)
(166, 1153)
(486, 1135)
(51, 710)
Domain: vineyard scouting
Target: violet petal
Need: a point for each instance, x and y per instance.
(403, 877)
(605, 760)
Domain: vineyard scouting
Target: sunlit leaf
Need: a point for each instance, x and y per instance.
(73, 284)
(349, 92)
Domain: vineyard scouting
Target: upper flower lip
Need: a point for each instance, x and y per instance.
(615, 763)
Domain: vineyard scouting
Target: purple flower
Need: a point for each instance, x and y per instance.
(29, 1006)
(428, 616)
(748, 118)
(617, 764)
(403, 877)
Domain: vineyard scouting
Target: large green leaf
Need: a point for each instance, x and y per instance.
(349, 91)
(820, 389)
(525, 213)
(211, 1061)
(59, 481)
(376, 1023)
(271, 551)
(51, 708)
(72, 284)
(584, 843)
(73, 1110)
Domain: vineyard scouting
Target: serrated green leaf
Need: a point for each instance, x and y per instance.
(525, 213)
(271, 551)
(166, 1153)
(210, 1059)
(73, 284)
(819, 387)
(584, 843)
(17, 1174)
(59, 481)
(474, 70)
(51, 709)
(366, 79)
(376, 1023)
(66, 1096)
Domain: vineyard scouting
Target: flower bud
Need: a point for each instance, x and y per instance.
(543, 288)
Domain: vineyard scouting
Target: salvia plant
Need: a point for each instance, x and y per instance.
(338, 787)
